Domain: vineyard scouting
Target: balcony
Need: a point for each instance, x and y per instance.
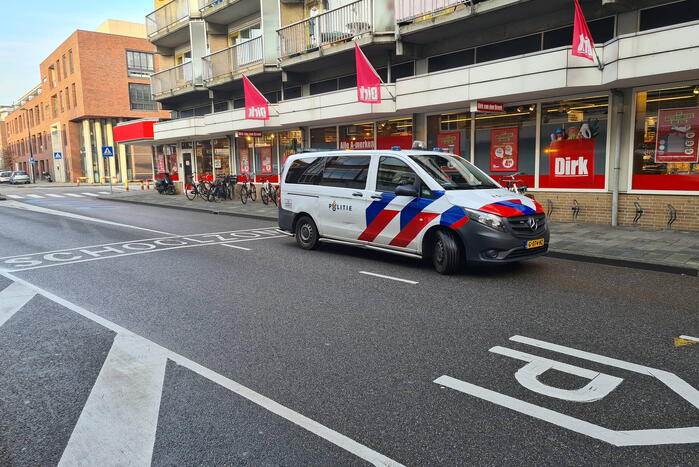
(223, 123)
(227, 11)
(326, 29)
(420, 10)
(173, 81)
(174, 130)
(225, 65)
(167, 26)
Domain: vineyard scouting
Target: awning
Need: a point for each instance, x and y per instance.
(134, 131)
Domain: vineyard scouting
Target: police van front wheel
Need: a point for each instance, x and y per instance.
(306, 233)
(446, 256)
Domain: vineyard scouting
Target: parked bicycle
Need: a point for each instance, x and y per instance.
(248, 190)
(268, 192)
(218, 191)
(513, 184)
(194, 189)
(230, 182)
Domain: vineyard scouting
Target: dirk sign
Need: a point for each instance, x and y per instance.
(572, 163)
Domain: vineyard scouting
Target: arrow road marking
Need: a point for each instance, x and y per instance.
(12, 298)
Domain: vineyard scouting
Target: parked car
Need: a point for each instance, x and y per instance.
(19, 176)
(5, 177)
(423, 204)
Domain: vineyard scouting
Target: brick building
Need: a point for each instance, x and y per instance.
(90, 83)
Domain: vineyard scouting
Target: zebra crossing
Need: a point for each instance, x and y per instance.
(57, 195)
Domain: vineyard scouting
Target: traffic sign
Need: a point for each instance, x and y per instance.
(107, 151)
(57, 155)
(32, 160)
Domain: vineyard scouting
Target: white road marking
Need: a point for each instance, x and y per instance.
(238, 247)
(15, 196)
(74, 195)
(12, 298)
(31, 195)
(43, 210)
(388, 277)
(90, 194)
(103, 192)
(312, 426)
(53, 195)
(118, 423)
(690, 338)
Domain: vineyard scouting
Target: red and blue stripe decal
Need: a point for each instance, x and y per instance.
(511, 208)
(454, 217)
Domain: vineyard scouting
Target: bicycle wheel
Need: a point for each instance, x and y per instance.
(275, 193)
(253, 192)
(191, 192)
(265, 196)
(244, 195)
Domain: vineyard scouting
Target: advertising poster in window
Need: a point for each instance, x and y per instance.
(572, 163)
(504, 150)
(266, 159)
(353, 144)
(161, 163)
(677, 135)
(450, 142)
(244, 160)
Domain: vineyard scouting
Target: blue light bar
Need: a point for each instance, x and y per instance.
(395, 148)
(437, 149)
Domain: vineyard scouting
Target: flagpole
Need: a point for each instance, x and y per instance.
(600, 65)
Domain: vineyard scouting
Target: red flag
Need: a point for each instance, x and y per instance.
(368, 81)
(583, 45)
(256, 105)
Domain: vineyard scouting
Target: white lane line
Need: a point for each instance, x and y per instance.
(74, 195)
(238, 247)
(690, 338)
(388, 277)
(103, 192)
(43, 210)
(89, 194)
(15, 196)
(53, 195)
(12, 298)
(118, 422)
(31, 195)
(314, 427)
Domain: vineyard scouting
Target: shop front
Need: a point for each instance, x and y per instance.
(261, 155)
(378, 134)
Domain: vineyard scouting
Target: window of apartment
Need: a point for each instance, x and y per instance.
(452, 60)
(36, 113)
(273, 97)
(60, 98)
(401, 70)
(65, 68)
(221, 106)
(665, 15)
(54, 105)
(70, 61)
(345, 82)
(601, 29)
(141, 97)
(58, 70)
(67, 99)
(292, 93)
(52, 76)
(239, 103)
(512, 47)
(320, 87)
(75, 95)
(139, 64)
(31, 119)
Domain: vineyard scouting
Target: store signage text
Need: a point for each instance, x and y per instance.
(357, 144)
(488, 107)
(254, 134)
(572, 163)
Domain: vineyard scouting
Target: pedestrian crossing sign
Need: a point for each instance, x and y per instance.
(57, 155)
(107, 151)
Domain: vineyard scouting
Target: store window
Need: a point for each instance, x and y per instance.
(166, 160)
(266, 155)
(574, 143)
(289, 143)
(394, 132)
(324, 138)
(666, 139)
(357, 136)
(506, 143)
(450, 132)
(222, 156)
(244, 148)
(202, 154)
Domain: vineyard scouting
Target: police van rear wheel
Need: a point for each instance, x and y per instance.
(306, 233)
(446, 256)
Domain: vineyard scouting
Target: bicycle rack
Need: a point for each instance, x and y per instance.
(639, 212)
(576, 210)
(549, 207)
(671, 215)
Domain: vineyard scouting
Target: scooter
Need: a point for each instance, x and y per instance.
(47, 177)
(165, 186)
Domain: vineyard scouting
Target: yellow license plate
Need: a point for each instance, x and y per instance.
(535, 243)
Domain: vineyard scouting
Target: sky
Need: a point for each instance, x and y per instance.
(31, 30)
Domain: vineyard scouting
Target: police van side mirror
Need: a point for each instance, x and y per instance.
(406, 190)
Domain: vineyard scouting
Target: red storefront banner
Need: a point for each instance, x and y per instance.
(244, 160)
(572, 163)
(488, 107)
(583, 45)
(265, 158)
(677, 136)
(357, 144)
(256, 105)
(388, 142)
(136, 131)
(248, 133)
(368, 81)
(450, 142)
(504, 149)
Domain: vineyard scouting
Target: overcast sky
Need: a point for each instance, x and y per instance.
(31, 30)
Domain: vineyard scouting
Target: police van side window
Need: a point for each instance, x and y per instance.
(393, 172)
(306, 171)
(346, 171)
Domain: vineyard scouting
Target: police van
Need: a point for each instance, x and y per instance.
(425, 204)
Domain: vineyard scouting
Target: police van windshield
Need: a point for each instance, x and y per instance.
(453, 172)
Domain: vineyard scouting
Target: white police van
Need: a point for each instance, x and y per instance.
(418, 203)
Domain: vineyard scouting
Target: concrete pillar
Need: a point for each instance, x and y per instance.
(420, 128)
(98, 143)
(89, 161)
(110, 142)
(123, 168)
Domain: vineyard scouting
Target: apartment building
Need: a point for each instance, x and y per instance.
(4, 150)
(89, 84)
(492, 80)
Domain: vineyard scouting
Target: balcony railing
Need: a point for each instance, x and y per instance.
(172, 79)
(233, 59)
(409, 10)
(207, 4)
(330, 27)
(167, 15)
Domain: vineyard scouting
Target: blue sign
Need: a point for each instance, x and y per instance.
(107, 151)
(57, 155)
(32, 160)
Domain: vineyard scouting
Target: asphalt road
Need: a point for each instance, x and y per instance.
(133, 336)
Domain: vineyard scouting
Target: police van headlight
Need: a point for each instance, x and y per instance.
(491, 220)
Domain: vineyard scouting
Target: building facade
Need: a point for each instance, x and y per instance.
(89, 84)
(492, 80)
(5, 161)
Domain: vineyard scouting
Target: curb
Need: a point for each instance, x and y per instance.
(193, 209)
(624, 263)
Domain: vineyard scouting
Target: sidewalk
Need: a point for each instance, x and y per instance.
(659, 250)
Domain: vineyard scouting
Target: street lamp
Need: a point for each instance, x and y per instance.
(29, 143)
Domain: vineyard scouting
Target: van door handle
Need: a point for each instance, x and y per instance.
(357, 193)
(376, 197)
